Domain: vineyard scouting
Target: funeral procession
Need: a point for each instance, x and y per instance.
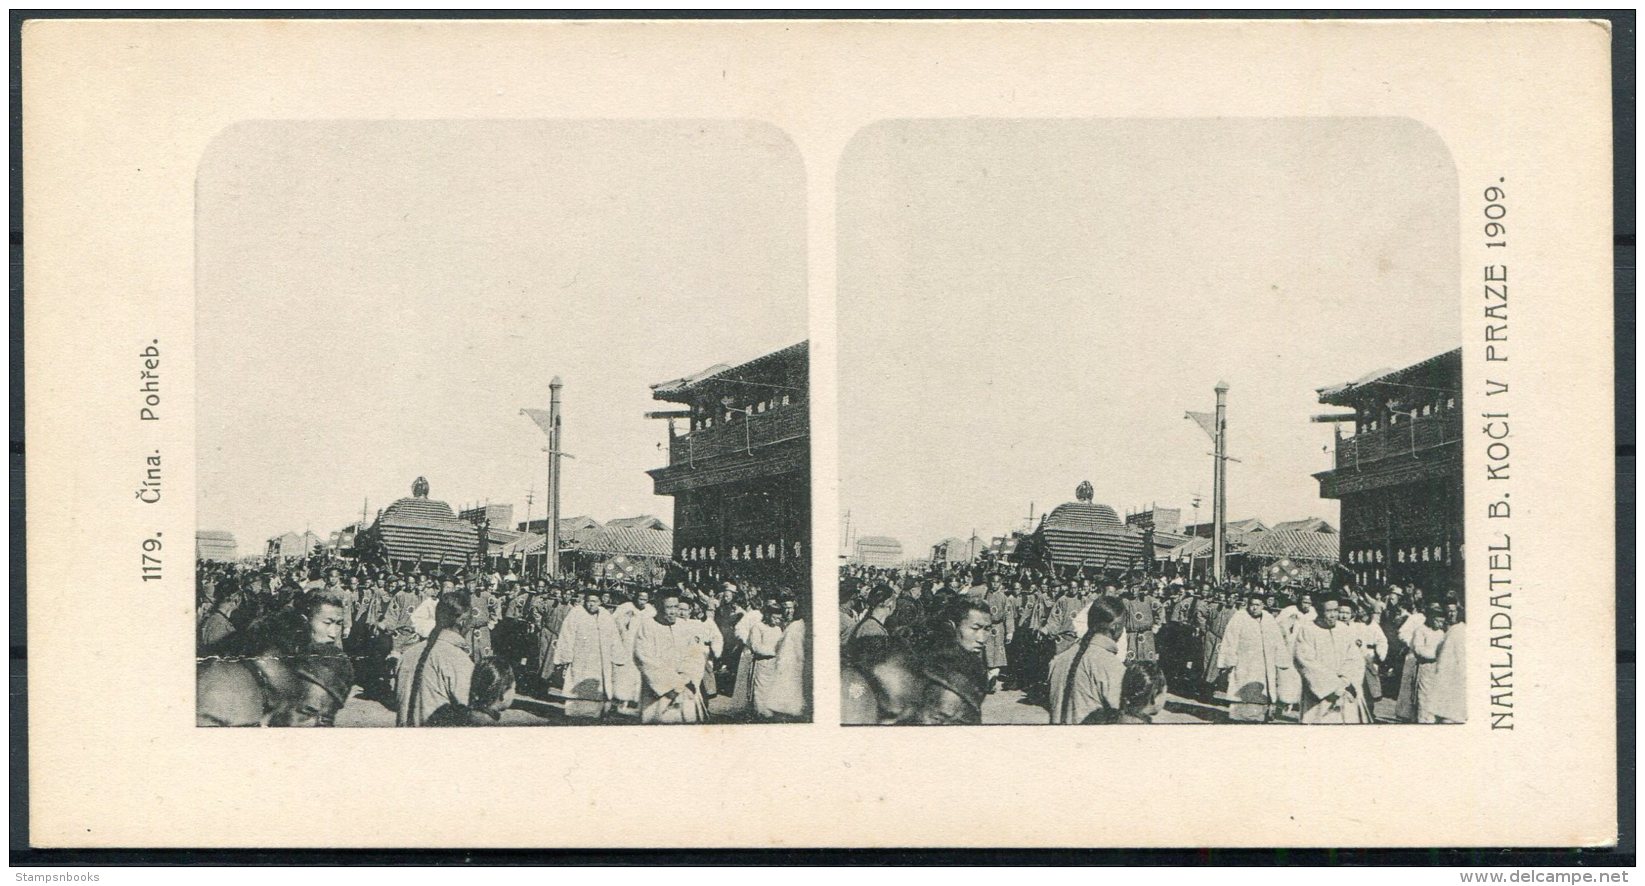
(518, 606)
(1082, 614)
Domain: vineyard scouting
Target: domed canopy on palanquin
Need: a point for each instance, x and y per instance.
(1084, 534)
(419, 528)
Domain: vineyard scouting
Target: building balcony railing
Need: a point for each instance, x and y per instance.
(740, 436)
(1402, 440)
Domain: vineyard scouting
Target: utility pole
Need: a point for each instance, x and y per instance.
(549, 422)
(552, 562)
(1219, 500)
(529, 495)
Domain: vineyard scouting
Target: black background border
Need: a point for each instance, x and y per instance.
(1623, 98)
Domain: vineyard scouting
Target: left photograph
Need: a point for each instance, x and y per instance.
(502, 423)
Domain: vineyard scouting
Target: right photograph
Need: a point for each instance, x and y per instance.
(1148, 421)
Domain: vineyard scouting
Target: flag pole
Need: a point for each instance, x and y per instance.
(1219, 502)
(552, 537)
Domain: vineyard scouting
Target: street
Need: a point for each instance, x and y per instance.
(526, 711)
(1008, 706)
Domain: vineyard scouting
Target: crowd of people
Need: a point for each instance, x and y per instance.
(928, 645)
(290, 643)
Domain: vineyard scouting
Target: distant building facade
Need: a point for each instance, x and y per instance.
(216, 547)
(293, 544)
(499, 516)
(878, 551)
(1157, 519)
(956, 550)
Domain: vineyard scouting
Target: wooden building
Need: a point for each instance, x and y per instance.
(1399, 474)
(740, 469)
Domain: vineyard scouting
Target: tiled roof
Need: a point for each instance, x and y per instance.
(1306, 524)
(644, 521)
(1169, 539)
(674, 387)
(1082, 515)
(1338, 394)
(525, 544)
(1200, 546)
(1295, 544)
(621, 540)
(1249, 524)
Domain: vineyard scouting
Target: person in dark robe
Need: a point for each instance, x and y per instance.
(219, 623)
(1216, 619)
(367, 644)
(881, 603)
(325, 678)
(550, 609)
(1141, 616)
(482, 620)
(955, 686)
(1024, 649)
(910, 613)
(996, 653)
(881, 685)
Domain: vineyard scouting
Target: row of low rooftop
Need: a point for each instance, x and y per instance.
(1310, 538)
(645, 534)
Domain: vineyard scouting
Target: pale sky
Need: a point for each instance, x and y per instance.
(1027, 304)
(377, 301)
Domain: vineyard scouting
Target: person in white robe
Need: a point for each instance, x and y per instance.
(588, 647)
(669, 655)
(1290, 620)
(1376, 650)
(1425, 644)
(1449, 703)
(625, 679)
(783, 697)
(1405, 707)
(713, 646)
(422, 617)
(1331, 660)
(761, 631)
(1253, 652)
